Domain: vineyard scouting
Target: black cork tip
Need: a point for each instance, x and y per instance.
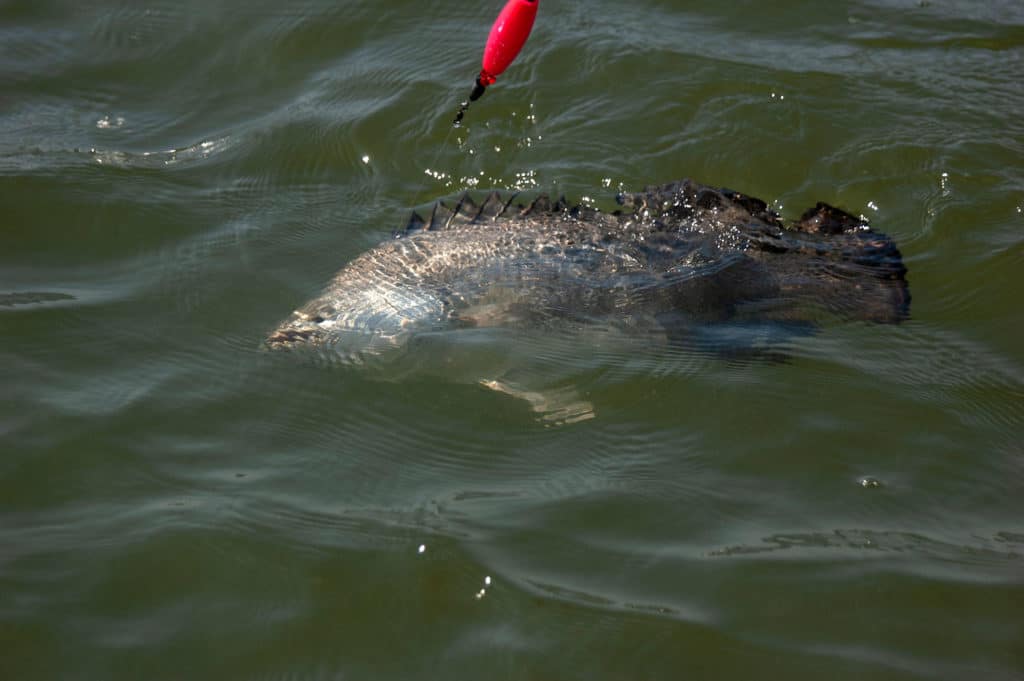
(477, 93)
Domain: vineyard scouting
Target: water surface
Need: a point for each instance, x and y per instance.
(176, 177)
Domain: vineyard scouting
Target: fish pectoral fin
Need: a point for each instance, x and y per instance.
(493, 314)
(556, 407)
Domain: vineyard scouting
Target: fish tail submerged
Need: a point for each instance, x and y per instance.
(862, 272)
(827, 258)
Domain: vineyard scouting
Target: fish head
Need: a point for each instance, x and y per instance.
(300, 329)
(329, 338)
(352, 325)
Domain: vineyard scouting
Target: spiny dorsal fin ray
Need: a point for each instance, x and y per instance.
(508, 203)
(415, 223)
(466, 211)
(441, 217)
(540, 204)
(492, 207)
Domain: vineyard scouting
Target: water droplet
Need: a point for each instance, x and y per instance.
(422, 549)
(870, 482)
(366, 158)
(107, 122)
(487, 580)
(872, 205)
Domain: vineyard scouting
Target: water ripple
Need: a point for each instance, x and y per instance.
(177, 175)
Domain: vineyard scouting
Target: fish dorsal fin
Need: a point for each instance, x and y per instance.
(541, 204)
(583, 212)
(416, 223)
(492, 207)
(826, 219)
(441, 217)
(467, 210)
(508, 203)
(753, 205)
(464, 213)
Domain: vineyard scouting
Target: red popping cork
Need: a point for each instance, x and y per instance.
(507, 37)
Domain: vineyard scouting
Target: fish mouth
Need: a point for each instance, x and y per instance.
(371, 321)
(347, 346)
(283, 338)
(299, 330)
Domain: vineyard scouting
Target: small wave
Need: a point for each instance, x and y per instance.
(23, 298)
(200, 151)
(868, 543)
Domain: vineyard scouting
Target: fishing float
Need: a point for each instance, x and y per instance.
(507, 37)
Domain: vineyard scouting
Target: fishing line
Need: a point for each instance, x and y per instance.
(430, 169)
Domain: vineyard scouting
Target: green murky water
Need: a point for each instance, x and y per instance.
(176, 177)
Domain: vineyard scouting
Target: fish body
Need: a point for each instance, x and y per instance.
(675, 258)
